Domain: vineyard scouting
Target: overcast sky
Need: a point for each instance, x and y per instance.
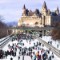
(11, 10)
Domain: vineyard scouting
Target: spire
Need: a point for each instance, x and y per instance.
(44, 5)
(24, 10)
(24, 7)
(44, 9)
(57, 10)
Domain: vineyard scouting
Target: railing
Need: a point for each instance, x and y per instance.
(4, 41)
(49, 46)
(32, 28)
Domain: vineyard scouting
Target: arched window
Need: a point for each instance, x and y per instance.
(36, 23)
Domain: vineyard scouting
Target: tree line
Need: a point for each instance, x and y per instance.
(56, 31)
(3, 29)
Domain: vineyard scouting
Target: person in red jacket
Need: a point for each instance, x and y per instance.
(39, 57)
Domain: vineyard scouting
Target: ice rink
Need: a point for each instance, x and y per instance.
(26, 44)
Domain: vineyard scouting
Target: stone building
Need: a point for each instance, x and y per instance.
(38, 18)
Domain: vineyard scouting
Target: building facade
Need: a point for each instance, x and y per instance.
(38, 18)
(43, 18)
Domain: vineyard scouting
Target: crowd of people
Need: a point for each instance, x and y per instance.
(36, 52)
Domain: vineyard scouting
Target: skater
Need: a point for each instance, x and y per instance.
(52, 55)
(34, 56)
(39, 57)
(44, 56)
(11, 58)
(23, 57)
(18, 57)
(49, 58)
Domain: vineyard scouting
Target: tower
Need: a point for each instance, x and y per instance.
(44, 9)
(24, 10)
(49, 11)
(57, 11)
(24, 7)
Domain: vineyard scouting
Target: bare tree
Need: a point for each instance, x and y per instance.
(3, 28)
(56, 31)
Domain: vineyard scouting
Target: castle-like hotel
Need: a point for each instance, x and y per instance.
(39, 18)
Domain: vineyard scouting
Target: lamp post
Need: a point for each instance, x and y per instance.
(7, 32)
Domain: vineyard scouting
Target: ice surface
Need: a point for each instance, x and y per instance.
(54, 43)
(26, 45)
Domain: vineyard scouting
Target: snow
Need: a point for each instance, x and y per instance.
(6, 46)
(4, 38)
(54, 43)
(27, 44)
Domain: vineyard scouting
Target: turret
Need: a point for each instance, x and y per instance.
(44, 9)
(44, 6)
(57, 11)
(24, 10)
(24, 7)
(30, 13)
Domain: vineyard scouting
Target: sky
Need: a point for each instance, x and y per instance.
(11, 10)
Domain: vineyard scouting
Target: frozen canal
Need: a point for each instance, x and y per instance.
(26, 44)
